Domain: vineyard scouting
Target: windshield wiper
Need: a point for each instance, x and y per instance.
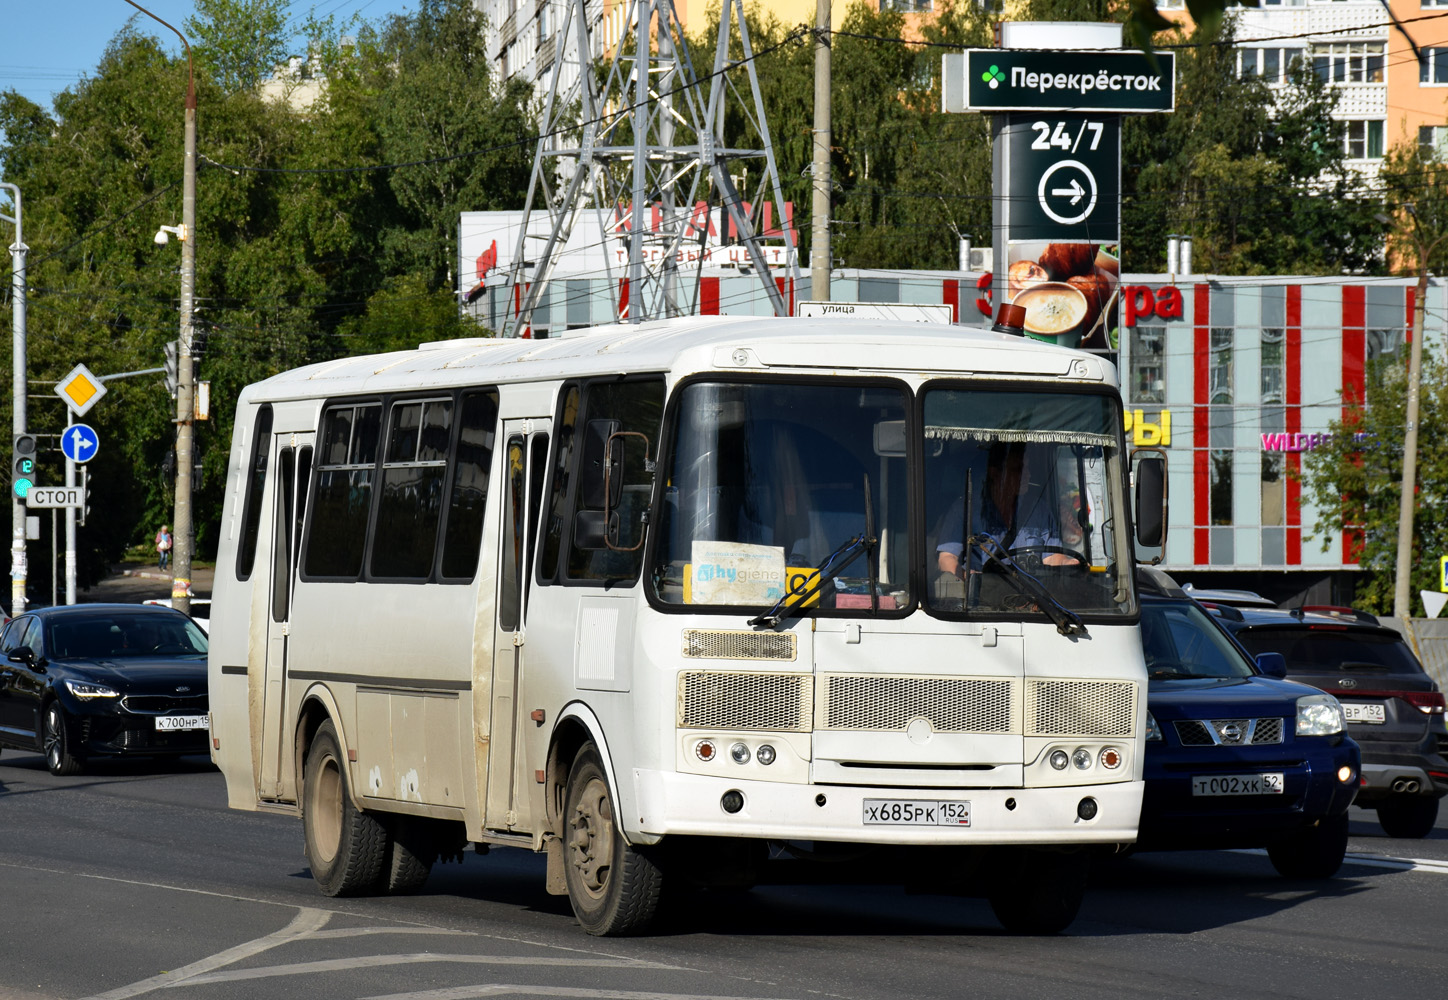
(833, 565)
(1067, 621)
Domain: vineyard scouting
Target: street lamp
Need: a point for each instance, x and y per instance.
(185, 368)
(19, 414)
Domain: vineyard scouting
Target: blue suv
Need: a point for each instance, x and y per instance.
(1237, 756)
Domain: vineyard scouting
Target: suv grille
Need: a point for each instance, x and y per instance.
(1229, 732)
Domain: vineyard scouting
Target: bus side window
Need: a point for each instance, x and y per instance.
(346, 463)
(256, 482)
(463, 529)
(634, 408)
(567, 427)
(410, 500)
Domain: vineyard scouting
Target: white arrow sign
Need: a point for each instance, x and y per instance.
(1074, 192)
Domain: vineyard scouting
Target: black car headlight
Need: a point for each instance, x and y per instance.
(86, 691)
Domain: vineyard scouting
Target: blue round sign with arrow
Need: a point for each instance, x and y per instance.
(80, 443)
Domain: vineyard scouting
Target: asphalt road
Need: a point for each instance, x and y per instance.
(136, 880)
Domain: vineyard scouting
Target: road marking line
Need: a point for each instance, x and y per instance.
(305, 922)
(1431, 865)
(420, 958)
(511, 989)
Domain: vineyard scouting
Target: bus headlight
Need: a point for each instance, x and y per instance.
(765, 755)
(739, 752)
(1319, 715)
(1059, 759)
(1081, 758)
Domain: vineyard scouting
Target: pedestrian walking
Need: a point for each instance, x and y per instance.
(163, 547)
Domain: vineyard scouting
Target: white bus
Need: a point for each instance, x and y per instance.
(666, 602)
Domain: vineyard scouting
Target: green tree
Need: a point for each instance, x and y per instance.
(239, 42)
(311, 242)
(1354, 480)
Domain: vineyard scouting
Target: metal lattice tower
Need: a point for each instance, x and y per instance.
(647, 137)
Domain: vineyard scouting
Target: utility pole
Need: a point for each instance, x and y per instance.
(19, 412)
(819, 265)
(1402, 600)
(183, 543)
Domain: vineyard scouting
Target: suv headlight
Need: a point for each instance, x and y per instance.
(1153, 731)
(86, 692)
(1319, 715)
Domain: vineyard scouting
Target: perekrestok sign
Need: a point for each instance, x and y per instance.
(1105, 80)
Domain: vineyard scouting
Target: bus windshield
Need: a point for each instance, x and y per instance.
(766, 481)
(1023, 502)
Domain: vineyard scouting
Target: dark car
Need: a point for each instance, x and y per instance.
(1394, 710)
(1236, 757)
(103, 680)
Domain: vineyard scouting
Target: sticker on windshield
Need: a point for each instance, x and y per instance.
(739, 573)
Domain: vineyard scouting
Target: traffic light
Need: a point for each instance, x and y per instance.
(24, 465)
(171, 368)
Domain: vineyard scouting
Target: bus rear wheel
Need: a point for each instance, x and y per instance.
(346, 847)
(613, 886)
(1038, 891)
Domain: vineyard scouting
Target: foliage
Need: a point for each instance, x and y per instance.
(304, 251)
(1260, 190)
(239, 42)
(1354, 480)
(1416, 188)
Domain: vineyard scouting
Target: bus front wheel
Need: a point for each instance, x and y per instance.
(1038, 891)
(613, 886)
(345, 847)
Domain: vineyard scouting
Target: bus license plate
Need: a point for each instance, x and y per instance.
(915, 812)
(179, 723)
(1238, 784)
(1358, 712)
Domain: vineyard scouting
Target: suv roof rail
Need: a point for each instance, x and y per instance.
(1336, 611)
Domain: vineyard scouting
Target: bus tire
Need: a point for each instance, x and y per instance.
(613, 886)
(345, 846)
(410, 854)
(1315, 852)
(1038, 892)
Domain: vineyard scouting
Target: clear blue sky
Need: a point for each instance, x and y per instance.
(50, 44)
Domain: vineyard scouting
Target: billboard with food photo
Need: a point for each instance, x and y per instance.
(1069, 291)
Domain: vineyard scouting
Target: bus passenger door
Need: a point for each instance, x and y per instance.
(293, 464)
(525, 458)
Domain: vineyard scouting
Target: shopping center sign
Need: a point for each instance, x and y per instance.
(1120, 82)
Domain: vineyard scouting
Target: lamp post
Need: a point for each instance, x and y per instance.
(185, 367)
(1423, 248)
(19, 412)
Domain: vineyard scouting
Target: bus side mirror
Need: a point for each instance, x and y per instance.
(1148, 475)
(601, 483)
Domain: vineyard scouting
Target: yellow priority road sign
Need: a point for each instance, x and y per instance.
(80, 389)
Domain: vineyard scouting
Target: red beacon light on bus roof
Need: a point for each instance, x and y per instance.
(1010, 318)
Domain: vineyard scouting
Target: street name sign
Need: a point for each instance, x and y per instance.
(81, 390)
(1124, 81)
(50, 497)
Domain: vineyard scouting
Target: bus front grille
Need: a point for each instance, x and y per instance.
(715, 699)
(719, 644)
(889, 703)
(1072, 708)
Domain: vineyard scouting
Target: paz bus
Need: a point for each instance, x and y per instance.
(665, 603)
